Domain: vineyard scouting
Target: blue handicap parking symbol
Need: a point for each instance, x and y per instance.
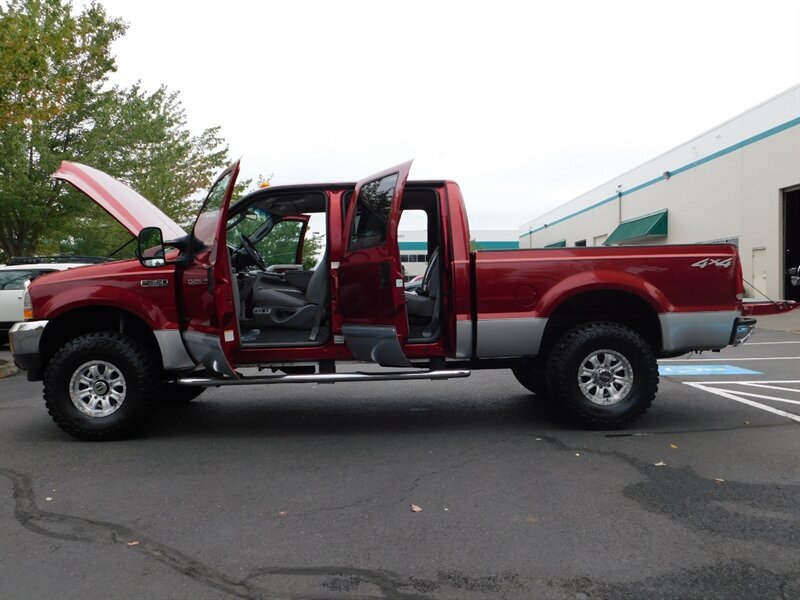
(704, 370)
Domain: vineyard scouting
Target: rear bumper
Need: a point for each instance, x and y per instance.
(743, 328)
(24, 339)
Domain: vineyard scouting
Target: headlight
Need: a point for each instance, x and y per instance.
(27, 306)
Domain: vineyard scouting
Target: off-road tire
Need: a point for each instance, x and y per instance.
(174, 394)
(565, 364)
(532, 375)
(131, 358)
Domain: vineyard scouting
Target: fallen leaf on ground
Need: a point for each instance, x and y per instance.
(415, 508)
(673, 446)
(660, 464)
(133, 543)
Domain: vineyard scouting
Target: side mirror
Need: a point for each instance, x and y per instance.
(150, 247)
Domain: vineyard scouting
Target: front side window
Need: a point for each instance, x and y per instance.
(373, 207)
(205, 228)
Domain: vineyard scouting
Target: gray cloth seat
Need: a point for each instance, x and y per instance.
(291, 308)
(424, 302)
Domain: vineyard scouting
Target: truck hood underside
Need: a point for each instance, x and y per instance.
(132, 210)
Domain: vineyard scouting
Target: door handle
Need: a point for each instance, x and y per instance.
(384, 275)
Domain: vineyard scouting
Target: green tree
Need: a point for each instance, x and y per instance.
(56, 104)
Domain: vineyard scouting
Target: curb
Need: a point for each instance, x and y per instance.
(7, 369)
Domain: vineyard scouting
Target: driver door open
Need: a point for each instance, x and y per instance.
(209, 324)
(371, 288)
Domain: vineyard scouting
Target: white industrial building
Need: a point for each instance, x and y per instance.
(738, 182)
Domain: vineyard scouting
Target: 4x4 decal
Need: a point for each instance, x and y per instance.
(713, 262)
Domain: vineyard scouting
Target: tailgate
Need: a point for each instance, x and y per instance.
(768, 307)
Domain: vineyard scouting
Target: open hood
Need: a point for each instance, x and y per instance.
(133, 211)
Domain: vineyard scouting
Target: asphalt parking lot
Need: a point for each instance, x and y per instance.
(306, 492)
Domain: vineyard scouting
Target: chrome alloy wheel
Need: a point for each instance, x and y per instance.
(97, 388)
(605, 377)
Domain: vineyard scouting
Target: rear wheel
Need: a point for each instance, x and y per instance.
(101, 386)
(604, 375)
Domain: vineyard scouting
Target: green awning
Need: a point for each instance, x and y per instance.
(648, 226)
(558, 244)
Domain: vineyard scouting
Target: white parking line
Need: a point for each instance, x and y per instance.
(729, 359)
(737, 398)
(750, 381)
(769, 343)
(752, 395)
(771, 387)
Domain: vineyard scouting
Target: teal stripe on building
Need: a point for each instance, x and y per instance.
(490, 245)
(413, 245)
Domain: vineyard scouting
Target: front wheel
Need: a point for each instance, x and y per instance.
(603, 374)
(101, 386)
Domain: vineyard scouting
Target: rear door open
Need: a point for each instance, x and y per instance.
(371, 291)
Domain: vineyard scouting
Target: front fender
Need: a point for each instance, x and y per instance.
(156, 308)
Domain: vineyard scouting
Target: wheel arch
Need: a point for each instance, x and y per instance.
(620, 306)
(89, 319)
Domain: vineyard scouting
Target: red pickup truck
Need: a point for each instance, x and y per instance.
(581, 326)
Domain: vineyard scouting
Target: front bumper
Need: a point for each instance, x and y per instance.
(743, 328)
(24, 338)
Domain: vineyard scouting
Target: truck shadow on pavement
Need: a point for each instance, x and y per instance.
(281, 417)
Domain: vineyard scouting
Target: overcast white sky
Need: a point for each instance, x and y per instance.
(526, 104)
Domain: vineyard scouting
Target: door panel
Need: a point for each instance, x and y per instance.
(210, 327)
(371, 291)
(759, 274)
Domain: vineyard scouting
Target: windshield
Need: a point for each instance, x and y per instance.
(15, 280)
(253, 222)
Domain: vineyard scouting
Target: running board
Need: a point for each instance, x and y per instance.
(325, 378)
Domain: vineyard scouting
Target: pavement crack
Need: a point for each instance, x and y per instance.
(388, 583)
(78, 529)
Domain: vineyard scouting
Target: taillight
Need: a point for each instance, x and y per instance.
(739, 277)
(27, 306)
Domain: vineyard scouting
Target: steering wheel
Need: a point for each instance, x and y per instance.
(252, 252)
